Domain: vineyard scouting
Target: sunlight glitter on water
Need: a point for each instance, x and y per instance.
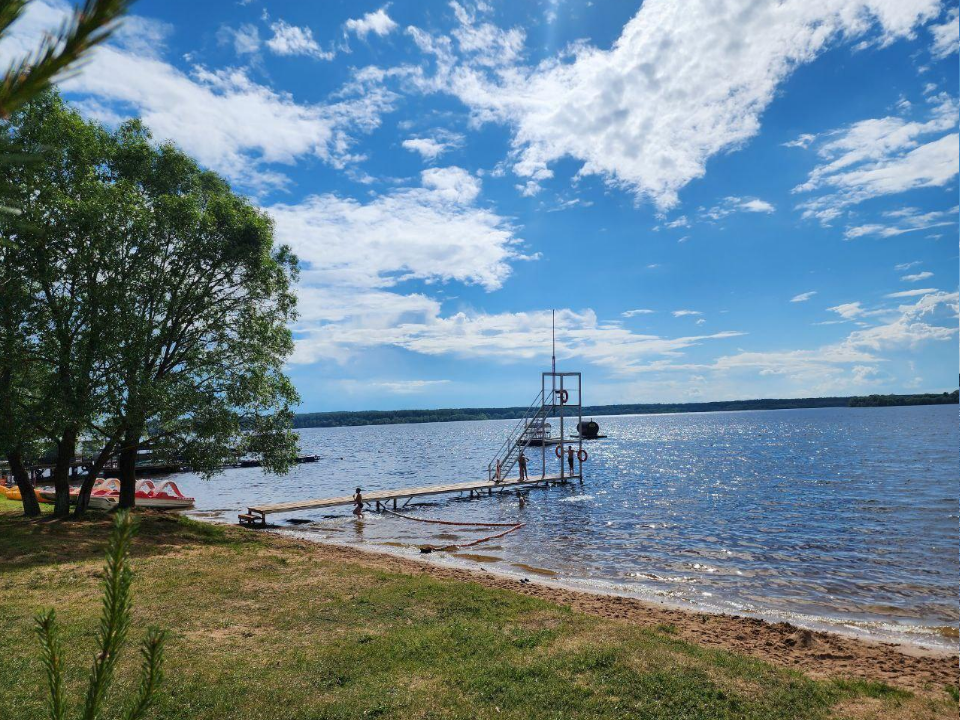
(844, 517)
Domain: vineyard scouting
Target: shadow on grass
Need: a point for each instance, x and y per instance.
(35, 542)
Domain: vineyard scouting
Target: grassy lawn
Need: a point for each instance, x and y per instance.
(261, 627)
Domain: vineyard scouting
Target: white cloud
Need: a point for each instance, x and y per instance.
(883, 156)
(907, 265)
(803, 297)
(378, 23)
(245, 39)
(916, 277)
(684, 313)
(292, 40)
(223, 118)
(680, 222)
(911, 293)
(848, 311)
(638, 311)
(802, 141)
(946, 36)
(839, 365)
(433, 146)
(641, 115)
(731, 205)
(433, 232)
(902, 221)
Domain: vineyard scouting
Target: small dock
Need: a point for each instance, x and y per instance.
(383, 499)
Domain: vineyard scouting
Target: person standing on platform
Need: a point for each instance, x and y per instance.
(522, 462)
(570, 458)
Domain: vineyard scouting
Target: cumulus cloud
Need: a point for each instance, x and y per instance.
(640, 115)
(378, 23)
(226, 120)
(803, 297)
(292, 40)
(435, 144)
(432, 232)
(946, 36)
(506, 337)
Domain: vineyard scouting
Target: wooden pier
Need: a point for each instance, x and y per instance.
(381, 499)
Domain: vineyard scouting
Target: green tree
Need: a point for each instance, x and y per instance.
(203, 320)
(157, 306)
(62, 245)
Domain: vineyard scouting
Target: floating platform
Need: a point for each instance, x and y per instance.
(257, 515)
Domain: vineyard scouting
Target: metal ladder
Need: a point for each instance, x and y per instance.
(519, 437)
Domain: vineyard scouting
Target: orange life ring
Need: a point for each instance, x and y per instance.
(582, 455)
(564, 396)
(559, 452)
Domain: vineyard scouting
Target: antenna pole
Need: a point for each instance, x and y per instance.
(553, 351)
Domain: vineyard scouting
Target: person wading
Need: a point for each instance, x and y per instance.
(358, 503)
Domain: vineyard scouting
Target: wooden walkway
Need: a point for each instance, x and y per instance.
(257, 514)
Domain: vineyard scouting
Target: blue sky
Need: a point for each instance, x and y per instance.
(721, 200)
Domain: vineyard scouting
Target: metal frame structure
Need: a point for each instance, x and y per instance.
(559, 410)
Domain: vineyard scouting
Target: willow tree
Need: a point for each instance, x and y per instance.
(62, 245)
(203, 320)
(159, 310)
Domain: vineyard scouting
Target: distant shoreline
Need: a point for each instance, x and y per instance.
(396, 417)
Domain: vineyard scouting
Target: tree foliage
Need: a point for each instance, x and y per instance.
(150, 303)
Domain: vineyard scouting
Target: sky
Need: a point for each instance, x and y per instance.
(721, 200)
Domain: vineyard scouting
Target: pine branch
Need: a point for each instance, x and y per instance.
(52, 658)
(10, 10)
(89, 26)
(115, 618)
(151, 673)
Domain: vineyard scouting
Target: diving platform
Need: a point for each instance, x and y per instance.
(382, 499)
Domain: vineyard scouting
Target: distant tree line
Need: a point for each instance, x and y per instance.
(143, 306)
(393, 417)
(890, 400)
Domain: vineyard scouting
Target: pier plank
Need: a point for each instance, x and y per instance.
(396, 494)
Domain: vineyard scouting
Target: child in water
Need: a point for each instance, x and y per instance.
(358, 503)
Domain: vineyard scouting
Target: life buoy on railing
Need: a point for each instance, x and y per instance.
(559, 452)
(582, 455)
(564, 396)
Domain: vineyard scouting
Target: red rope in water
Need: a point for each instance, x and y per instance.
(511, 527)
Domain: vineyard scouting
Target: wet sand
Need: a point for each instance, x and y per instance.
(816, 654)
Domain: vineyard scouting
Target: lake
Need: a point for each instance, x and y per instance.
(831, 518)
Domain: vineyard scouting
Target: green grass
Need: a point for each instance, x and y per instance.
(262, 627)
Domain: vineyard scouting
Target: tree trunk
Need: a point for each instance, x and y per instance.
(66, 449)
(83, 499)
(128, 469)
(31, 507)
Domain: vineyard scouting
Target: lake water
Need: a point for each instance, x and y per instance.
(838, 518)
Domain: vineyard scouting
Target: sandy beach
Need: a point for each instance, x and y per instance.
(817, 654)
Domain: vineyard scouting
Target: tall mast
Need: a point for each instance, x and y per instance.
(553, 336)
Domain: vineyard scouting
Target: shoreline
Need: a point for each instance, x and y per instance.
(819, 654)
